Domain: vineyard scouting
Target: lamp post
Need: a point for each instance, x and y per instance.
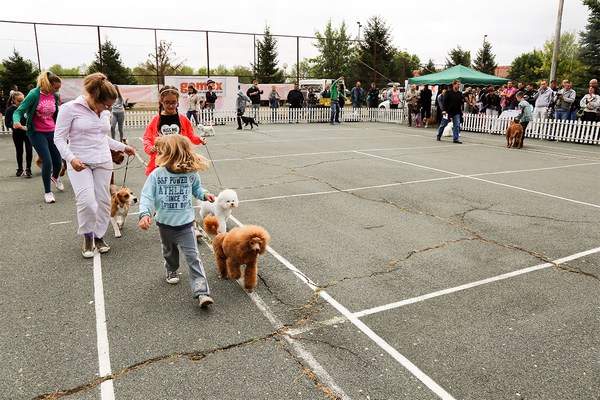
(284, 65)
(484, 37)
(359, 26)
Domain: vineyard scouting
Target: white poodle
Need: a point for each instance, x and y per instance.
(207, 130)
(214, 215)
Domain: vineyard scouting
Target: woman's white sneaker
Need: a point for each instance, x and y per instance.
(49, 198)
(58, 184)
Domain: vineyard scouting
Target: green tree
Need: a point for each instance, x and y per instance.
(336, 51)
(485, 61)
(305, 71)
(244, 74)
(405, 63)
(108, 61)
(458, 56)
(74, 72)
(590, 40)
(527, 68)
(429, 68)
(17, 71)
(569, 65)
(376, 53)
(266, 65)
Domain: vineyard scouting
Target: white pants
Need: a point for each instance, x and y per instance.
(540, 113)
(92, 195)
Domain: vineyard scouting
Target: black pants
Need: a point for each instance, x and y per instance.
(524, 125)
(20, 139)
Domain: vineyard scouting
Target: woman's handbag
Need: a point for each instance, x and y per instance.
(580, 112)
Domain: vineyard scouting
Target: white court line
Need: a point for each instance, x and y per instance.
(106, 388)
(484, 180)
(405, 362)
(315, 366)
(471, 285)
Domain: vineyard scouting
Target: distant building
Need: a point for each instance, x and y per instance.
(501, 71)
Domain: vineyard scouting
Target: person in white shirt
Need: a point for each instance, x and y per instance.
(82, 137)
(542, 98)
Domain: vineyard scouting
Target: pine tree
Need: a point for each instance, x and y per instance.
(429, 68)
(108, 61)
(590, 40)
(376, 43)
(458, 56)
(266, 65)
(17, 71)
(485, 61)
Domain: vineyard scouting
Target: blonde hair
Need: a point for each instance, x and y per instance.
(46, 81)
(175, 153)
(99, 88)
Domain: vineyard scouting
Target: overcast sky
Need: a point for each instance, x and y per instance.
(427, 28)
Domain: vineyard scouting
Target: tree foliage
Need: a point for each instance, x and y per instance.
(266, 65)
(485, 61)
(527, 68)
(162, 62)
(108, 61)
(458, 56)
(569, 64)
(376, 52)
(17, 71)
(428, 68)
(336, 51)
(590, 40)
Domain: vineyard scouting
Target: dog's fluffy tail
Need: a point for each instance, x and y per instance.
(211, 225)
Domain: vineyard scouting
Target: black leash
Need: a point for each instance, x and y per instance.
(126, 168)
(213, 164)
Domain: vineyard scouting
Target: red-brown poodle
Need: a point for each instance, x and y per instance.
(241, 245)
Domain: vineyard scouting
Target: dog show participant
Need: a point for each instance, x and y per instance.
(82, 137)
(20, 136)
(41, 108)
(168, 192)
(334, 96)
(295, 98)
(452, 108)
(525, 114)
(240, 103)
(167, 122)
(254, 93)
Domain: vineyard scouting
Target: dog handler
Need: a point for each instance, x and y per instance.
(82, 137)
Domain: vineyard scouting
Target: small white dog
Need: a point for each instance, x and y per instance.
(214, 215)
(207, 130)
(448, 130)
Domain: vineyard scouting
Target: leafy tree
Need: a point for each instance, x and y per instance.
(485, 61)
(429, 68)
(243, 73)
(305, 71)
(405, 64)
(458, 56)
(17, 71)
(590, 40)
(376, 42)
(108, 61)
(186, 70)
(162, 62)
(569, 65)
(266, 66)
(336, 51)
(527, 68)
(74, 72)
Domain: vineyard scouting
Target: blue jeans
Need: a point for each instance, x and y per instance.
(193, 113)
(455, 126)
(43, 143)
(562, 114)
(335, 112)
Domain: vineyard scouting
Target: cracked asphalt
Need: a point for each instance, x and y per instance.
(400, 268)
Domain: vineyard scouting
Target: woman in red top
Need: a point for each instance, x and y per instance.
(167, 122)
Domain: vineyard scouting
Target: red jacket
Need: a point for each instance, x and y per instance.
(151, 134)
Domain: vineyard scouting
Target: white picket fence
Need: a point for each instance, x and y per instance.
(569, 131)
(566, 131)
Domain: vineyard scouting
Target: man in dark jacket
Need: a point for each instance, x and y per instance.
(295, 100)
(452, 109)
(254, 93)
(425, 102)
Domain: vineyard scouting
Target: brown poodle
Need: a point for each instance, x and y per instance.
(241, 245)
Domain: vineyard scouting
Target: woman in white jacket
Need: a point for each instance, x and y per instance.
(590, 103)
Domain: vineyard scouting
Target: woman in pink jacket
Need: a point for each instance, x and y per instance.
(167, 122)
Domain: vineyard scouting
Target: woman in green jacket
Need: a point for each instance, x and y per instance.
(40, 107)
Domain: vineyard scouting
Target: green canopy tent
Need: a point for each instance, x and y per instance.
(466, 75)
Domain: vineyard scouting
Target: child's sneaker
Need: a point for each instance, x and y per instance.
(172, 277)
(19, 172)
(204, 301)
(49, 198)
(58, 184)
(28, 173)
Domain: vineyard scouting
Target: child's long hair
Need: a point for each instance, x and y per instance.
(175, 153)
(165, 90)
(46, 81)
(99, 88)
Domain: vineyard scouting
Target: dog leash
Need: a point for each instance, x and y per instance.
(213, 164)
(126, 168)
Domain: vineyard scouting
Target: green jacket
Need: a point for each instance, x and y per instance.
(28, 106)
(335, 93)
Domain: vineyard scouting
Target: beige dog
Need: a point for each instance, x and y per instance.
(514, 135)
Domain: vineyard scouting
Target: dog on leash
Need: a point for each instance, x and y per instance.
(121, 201)
(428, 122)
(249, 120)
(63, 169)
(214, 215)
(207, 130)
(514, 135)
(241, 245)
